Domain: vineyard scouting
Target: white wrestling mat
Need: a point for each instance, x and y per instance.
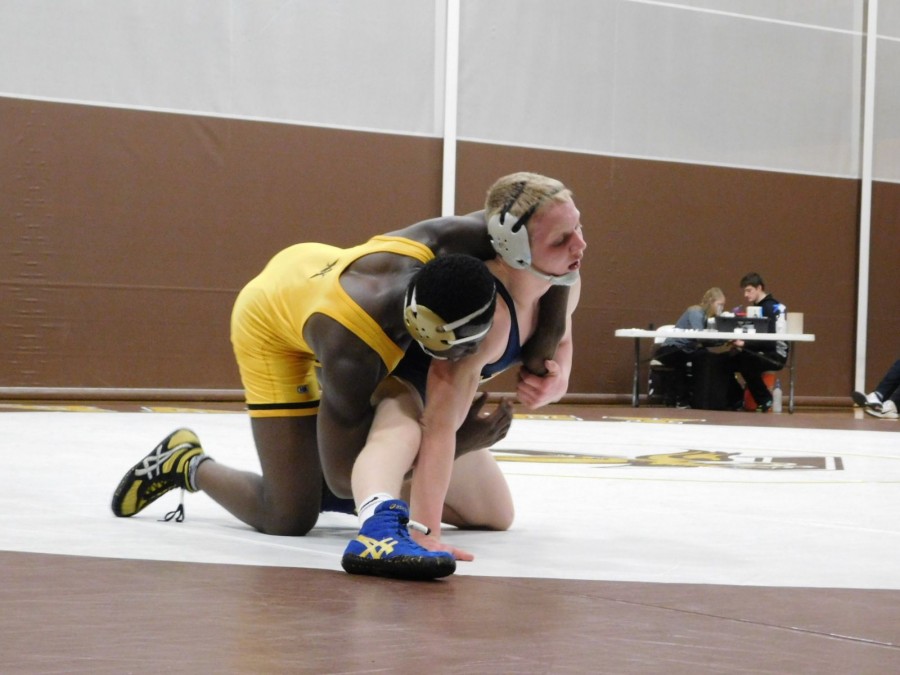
(606, 500)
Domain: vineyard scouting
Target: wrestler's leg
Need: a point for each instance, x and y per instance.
(392, 443)
(478, 496)
(285, 500)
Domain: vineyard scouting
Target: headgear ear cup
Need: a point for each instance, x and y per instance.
(436, 335)
(509, 237)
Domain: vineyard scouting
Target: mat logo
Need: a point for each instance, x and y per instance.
(687, 459)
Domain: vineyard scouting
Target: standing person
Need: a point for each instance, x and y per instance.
(425, 402)
(676, 353)
(884, 401)
(314, 333)
(753, 358)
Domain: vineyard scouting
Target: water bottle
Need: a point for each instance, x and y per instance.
(777, 397)
(780, 318)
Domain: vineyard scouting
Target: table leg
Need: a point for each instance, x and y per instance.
(635, 389)
(791, 376)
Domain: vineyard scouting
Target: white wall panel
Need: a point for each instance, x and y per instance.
(539, 74)
(719, 89)
(650, 80)
(837, 14)
(347, 63)
(165, 54)
(771, 84)
(358, 63)
(889, 18)
(886, 155)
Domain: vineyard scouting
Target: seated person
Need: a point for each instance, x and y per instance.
(676, 353)
(884, 401)
(753, 358)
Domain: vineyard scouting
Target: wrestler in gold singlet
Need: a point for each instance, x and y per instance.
(277, 366)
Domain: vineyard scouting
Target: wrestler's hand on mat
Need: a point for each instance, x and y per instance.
(432, 544)
(535, 391)
(483, 429)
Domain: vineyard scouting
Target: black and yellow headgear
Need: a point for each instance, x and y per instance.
(448, 286)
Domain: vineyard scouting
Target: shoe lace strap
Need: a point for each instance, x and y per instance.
(177, 514)
(413, 525)
(151, 467)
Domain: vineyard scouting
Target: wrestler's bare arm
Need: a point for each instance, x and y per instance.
(551, 328)
(350, 372)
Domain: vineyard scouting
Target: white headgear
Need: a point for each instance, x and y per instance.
(509, 237)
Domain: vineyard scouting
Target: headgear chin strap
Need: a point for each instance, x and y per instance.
(566, 279)
(509, 237)
(432, 332)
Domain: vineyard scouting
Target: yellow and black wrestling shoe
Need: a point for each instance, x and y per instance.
(169, 466)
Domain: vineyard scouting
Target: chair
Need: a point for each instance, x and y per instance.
(769, 377)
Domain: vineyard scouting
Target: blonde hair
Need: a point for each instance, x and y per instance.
(709, 300)
(521, 192)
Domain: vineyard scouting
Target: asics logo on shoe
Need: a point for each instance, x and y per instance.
(165, 468)
(376, 548)
(152, 465)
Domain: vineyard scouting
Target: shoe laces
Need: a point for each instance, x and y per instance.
(152, 465)
(406, 524)
(418, 527)
(414, 525)
(177, 514)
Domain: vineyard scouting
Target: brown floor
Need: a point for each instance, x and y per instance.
(67, 614)
(70, 614)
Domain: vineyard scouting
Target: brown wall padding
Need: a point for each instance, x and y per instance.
(659, 234)
(125, 236)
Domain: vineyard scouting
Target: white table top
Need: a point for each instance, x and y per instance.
(712, 335)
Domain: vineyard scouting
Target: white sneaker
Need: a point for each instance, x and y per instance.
(870, 400)
(886, 411)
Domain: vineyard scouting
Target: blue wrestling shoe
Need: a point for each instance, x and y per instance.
(383, 548)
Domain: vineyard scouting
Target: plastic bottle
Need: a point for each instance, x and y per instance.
(777, 397)
(781, 319)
